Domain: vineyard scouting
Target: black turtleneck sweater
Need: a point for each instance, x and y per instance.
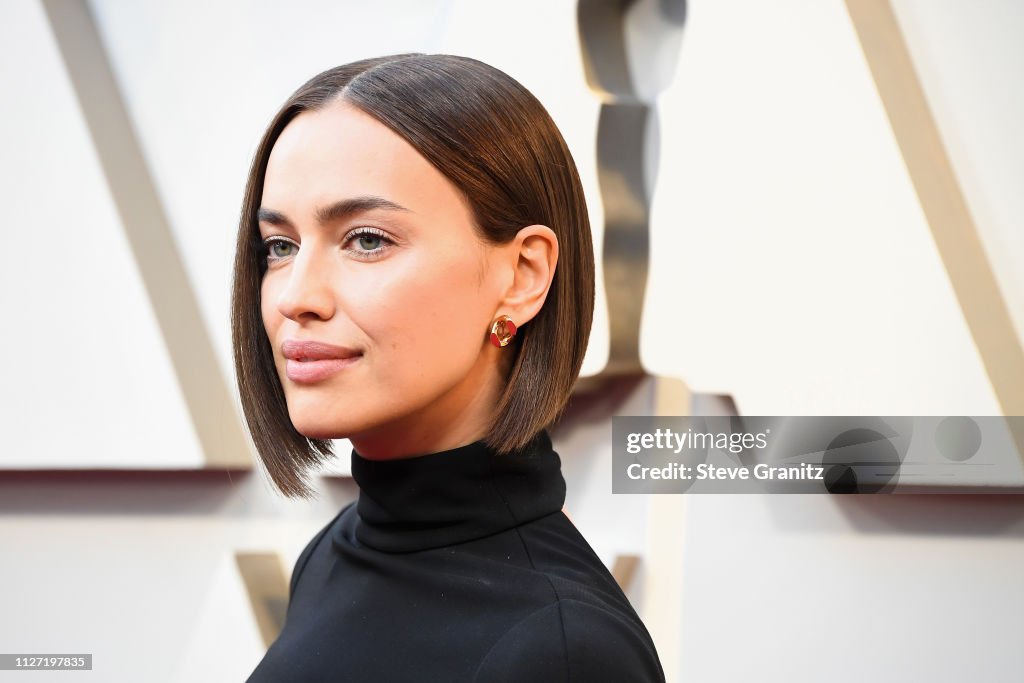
(457, 566)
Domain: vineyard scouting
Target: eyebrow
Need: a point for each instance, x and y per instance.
(336, 211)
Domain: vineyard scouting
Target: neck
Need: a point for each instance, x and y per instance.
(454, 495)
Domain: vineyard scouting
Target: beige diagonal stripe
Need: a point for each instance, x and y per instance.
(267, 587)
(217, 423)
(942, 200)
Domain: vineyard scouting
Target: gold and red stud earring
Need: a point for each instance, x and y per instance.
(502, 331)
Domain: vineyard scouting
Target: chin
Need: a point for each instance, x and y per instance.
(317, 431)
(325, 430)
(314, 425)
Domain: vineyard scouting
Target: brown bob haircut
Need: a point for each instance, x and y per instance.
(497, 144)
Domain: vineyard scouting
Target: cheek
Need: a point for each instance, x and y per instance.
(270, 315)
(426, 319)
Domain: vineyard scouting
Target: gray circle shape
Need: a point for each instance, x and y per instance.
(866, 449)
(958, 438)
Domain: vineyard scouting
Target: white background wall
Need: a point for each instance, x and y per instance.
(773, 141)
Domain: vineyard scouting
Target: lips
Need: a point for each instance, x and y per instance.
(311, 361)
(293, 349)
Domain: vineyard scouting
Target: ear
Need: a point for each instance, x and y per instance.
(533, 254)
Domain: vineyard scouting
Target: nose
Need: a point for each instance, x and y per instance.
(307, 292)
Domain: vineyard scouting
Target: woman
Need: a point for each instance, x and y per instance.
(415, 273)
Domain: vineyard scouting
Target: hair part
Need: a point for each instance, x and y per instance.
(497, 144)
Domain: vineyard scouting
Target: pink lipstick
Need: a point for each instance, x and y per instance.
(312, 361)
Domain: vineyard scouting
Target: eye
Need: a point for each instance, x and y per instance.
(368, 241)
(278, 248)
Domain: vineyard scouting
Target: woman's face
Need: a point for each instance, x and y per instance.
(411, 290)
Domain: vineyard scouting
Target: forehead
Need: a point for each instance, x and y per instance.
(338, 152)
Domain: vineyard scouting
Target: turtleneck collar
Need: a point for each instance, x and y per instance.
(456, 495)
